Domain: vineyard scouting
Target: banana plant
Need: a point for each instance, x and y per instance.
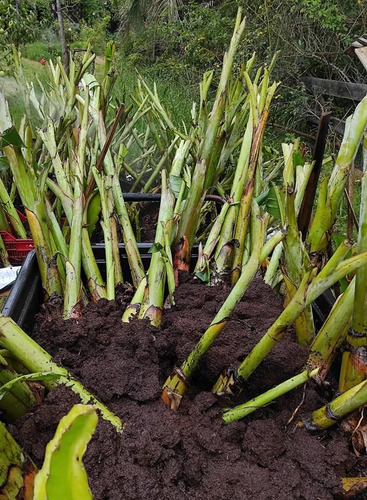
(63, 475)
(17, 471)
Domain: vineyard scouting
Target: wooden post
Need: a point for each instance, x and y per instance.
(305, 212)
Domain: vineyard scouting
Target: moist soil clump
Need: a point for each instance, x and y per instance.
(189, 454)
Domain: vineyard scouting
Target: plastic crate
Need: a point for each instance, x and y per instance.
(22, 217)
(17, 248)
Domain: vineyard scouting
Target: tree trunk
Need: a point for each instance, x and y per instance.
(64, 48)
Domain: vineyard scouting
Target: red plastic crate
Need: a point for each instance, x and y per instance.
(17, 248)
(22, 217)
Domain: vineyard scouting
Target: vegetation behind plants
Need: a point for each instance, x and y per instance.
(310, 34)
(174, 42)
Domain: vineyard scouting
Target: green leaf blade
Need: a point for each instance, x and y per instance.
(63, 475)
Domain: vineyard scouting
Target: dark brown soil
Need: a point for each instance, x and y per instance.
(190, 454)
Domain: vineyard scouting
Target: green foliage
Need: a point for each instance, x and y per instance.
(63, 474)
(175, 54)
(176, 94)
(44, 12)
(95, 36)
(311, 35)
(84, 21)
(327, 13)
(40, 376)
(94, 10)
(269, 201)
(193, 44)
(17, 25)
(11, 137)
(6, 60)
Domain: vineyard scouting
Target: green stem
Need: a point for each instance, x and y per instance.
(271, 277)
(310, 288)
(72, 293)
(332, 333)
(105, 185)
(175, 386)
(91, 269)
(4, 257)
(46, 261)
(354, 361)
(248, 190)
(295, 256)
(254, 404)
(210, 244)
(205, 169)
(133, 308)
(18, 400)
(219, 103)
(12, 214)
(24, 176)
(73, 290)
(152, 305)
(327, 207)
(341, 406)
(133, 255)
(189, 220)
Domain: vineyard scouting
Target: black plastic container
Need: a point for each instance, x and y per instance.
(25, 297)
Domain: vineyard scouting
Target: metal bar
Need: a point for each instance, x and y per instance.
(138, 197)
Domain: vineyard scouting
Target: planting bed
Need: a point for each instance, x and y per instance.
(189, 454)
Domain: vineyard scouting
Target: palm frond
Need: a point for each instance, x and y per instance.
(133, 13)
(167, 9)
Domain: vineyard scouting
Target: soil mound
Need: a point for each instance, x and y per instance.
(190, 454)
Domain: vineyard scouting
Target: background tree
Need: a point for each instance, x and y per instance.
(311, 36)
(18, 23)
(133, 13)
(64, 47)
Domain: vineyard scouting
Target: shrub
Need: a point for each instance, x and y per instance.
(96, 36)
